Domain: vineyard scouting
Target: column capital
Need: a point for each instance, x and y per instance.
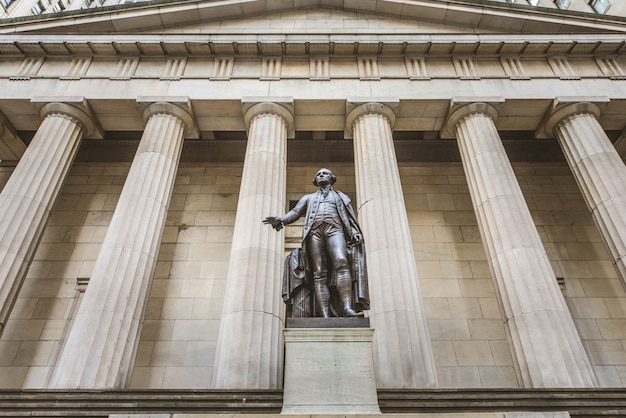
(280, 106)
(75, 107)
(563, 107)
(464, 106)
(179, 106)
(357, 106)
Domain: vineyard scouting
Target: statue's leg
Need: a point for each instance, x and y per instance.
(338, 252)
(317, 257)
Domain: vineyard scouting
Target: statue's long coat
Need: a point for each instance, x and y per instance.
(308, 206)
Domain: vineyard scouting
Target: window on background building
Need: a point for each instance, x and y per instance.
(6, 3)
(562, 4)
(37, 8)
(533, 2)
(600, 6)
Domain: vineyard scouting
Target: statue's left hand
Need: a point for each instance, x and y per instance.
(355, 240)
(275, 221)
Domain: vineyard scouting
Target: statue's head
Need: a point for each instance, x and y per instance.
(333, 179)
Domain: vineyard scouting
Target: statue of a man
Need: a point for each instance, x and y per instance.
(332, 246)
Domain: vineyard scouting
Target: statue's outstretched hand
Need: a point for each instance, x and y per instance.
(275, 221)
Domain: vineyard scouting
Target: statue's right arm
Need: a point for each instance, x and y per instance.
(297, 211)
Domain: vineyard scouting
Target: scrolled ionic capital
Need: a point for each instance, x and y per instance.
(179, 107)
(74, 107)
(462, 108)
(563, 108)
(355, 108)
(280, 106)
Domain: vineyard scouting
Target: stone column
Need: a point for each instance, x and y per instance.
(402, 353)
(546, 347)
(599, 172)
(27, 199)
(250, 342)
(100, 348)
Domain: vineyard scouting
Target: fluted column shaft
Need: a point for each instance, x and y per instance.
(547, 349)
(402, 353)
(100, 348)
(599, 172)
(27, 199)
(250, 343)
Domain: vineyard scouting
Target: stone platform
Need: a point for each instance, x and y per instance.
(329, 370)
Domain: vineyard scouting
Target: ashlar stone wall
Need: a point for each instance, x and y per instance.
(178, 340)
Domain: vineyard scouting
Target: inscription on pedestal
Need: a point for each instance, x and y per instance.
(329, 371)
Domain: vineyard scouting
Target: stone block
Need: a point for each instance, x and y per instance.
(498, 377)
(329, 371)
(501, 352)
(194, 329)
(459, 377)
(447, 233)
(8, 351)
(440, 201)
(487, 329)
(189, 270)
(12, 377)
(34, 353)
(444, 354)
(436, 308)
(168, 353)
(456, 269)
(468, 251)
(177, 308)
(421, 234)
(490, 308)
(590, 307)
(479, 288)
(612, 329)
(200, 353)
(473, 353)
(429, 269)
(147, 378)
(448, 329)
(440, 288)
(187, 377)
(464, 308)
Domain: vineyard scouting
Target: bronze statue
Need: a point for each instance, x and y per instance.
(331, 264)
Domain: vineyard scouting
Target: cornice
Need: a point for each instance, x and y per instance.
(308, 44)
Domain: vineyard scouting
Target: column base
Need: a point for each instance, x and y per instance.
(329, 371)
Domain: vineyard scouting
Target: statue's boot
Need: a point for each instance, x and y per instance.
(344, 288)
(322, 296)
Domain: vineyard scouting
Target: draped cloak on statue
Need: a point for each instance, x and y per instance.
(298, 291)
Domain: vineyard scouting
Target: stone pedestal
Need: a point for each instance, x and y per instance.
(329, 371)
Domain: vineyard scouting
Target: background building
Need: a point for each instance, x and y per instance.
(479, 141)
